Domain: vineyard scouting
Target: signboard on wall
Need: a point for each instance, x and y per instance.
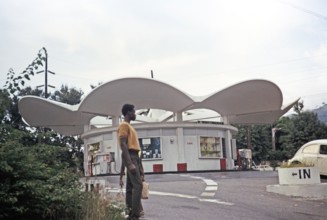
(151, 148)
(210, 147)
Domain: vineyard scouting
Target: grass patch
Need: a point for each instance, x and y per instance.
(296, 164)
(96, 206)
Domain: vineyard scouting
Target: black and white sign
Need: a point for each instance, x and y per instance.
(298, 175)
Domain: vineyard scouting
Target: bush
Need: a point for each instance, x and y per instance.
(300, 164)
(95, 206)
(35, 183)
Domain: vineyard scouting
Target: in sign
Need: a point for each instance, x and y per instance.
(304, 173)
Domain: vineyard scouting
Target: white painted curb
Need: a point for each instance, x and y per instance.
(318, 191)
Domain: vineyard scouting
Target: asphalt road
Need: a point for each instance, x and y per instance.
(223, 195)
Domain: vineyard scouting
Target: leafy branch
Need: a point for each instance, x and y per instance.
(15, 82)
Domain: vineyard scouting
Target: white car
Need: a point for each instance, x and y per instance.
(313, 152)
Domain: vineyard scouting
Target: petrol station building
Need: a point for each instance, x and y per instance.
(177, 132)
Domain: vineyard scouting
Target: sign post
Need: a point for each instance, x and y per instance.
(298, 175)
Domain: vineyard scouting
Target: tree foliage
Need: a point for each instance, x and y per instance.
(260, 140)
(291, 133)
(36, 179)
(67, 95)
(71, 96)
(39, 179)
(5, 103)
(298, 130)
(15, 81)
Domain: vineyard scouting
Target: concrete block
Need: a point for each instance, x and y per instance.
(318, 191)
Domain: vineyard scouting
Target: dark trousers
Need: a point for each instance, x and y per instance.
(134, 187)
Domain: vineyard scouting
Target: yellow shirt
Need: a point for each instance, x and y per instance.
(125, 130)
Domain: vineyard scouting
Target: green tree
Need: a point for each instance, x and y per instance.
(261, 142)
(36, 181)
(15, 87)
(5, 103)
(71, 96)
(15, 82)
(292, 132)
(298, 107)
(260, 138)
(36, 165)
(241, 136)
(285, 127)
(67, 95)
(298, 130)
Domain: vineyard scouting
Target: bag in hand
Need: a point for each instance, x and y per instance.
(145, 190)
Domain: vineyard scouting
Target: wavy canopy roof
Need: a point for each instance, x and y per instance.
(249, 102)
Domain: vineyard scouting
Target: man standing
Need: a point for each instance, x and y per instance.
(121, 182)
(130, 148)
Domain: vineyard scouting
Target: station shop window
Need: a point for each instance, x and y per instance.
(151, 148)
(210, 147)
(92, 150)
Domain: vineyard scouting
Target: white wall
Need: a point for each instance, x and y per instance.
(192, 156)
(169, 156)
(172, 154)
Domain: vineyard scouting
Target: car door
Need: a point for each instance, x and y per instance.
(322, 159)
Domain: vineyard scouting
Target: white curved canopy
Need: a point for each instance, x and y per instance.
(264, 117)
(60, 117)
(245, 97)
(249, 102)
(108, 98)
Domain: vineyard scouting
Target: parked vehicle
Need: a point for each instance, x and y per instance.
(313, 152)
(263, 167)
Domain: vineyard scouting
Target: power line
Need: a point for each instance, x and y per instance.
(316, 94)
(272, 64)
(276, 73)
(323, 17)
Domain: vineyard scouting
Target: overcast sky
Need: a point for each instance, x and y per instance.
(198, 46)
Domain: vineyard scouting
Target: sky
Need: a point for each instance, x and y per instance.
(197, 46)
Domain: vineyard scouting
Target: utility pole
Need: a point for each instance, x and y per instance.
(249, 137)
(46, 76)
(152, 74)
(273, 138)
